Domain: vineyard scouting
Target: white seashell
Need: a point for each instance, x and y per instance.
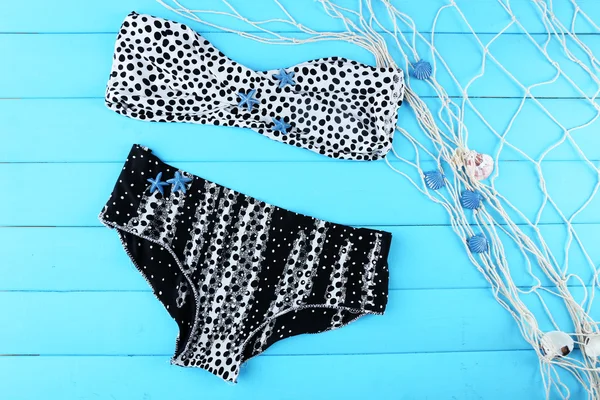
(557, 344)
(592, 345)
(478, 166)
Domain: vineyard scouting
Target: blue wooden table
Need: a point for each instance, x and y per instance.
(77, 321)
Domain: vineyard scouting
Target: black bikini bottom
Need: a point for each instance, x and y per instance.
(238, 274)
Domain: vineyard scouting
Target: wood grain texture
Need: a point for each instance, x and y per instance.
(113, 323)
(469, 376)
(79, 322)
(484, 15)
(77, 65)
(134, 323)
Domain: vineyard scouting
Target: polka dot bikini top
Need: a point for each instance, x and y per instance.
(164, 71)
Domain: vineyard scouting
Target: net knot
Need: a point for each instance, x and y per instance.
(458, 157)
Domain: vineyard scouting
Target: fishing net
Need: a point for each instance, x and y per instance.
(526, 227)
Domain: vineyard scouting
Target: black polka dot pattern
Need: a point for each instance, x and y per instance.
(164, 71)
(238, 274)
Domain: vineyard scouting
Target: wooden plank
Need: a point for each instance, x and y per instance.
(135, 323)
(447, 376)
(71, 65)
(84, 130)
(109, 323)
(483, 15)
(80, 259)
(371, 194)
(75, 193)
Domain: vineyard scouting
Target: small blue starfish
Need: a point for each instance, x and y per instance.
(285, 78)
(179, 182)
(248, 100)
(157, 184)
(281, 126)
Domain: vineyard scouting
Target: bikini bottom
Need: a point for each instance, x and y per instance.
(238, 274)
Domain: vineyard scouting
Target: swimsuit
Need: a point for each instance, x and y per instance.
(164, 71)
(238, 274)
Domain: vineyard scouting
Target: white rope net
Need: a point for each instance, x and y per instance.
(441, 143)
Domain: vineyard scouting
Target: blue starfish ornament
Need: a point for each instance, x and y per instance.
(285, 78)
(157, 184)
(248, 100)
(281, 126)
(179, 182)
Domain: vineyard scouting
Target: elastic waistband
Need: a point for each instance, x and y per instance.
(141, 164)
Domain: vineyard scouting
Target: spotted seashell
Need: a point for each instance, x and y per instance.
(557, 344)
(478, 166)
(470, 199)
(435, 180)
(421, 70)
(478, 243)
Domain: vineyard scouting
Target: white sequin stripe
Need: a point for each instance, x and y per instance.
(306, 283)
(192, 349)
(200, 224)
(369, 272)
(168, 210)
(285, 300)
(254, 254)
(340, 267)
(221, 291)
(213, 261)
(172, 211)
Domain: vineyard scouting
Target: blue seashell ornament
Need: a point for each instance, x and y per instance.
(435, 180)
(422, 70)
(470, 199)
(478, 243)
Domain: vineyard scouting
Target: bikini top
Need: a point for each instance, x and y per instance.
(164, 71)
